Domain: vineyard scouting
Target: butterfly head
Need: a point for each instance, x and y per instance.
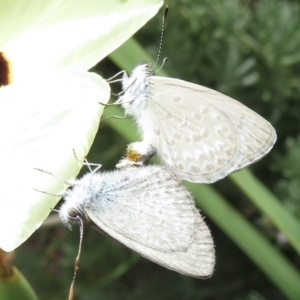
(68, 214)
(75, 200)
(138, 77)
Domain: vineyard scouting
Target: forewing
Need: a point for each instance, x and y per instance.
(147, 207)
(157, 219)
(203, 135)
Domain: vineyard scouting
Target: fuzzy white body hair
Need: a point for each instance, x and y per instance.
(84, 190)
(135, 100)
(76, 198)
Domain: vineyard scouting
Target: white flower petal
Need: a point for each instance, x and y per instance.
(74, 34)
(40, 125)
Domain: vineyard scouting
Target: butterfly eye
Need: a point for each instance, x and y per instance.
(73, 213)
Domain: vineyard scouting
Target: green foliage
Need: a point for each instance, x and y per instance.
(15, 286)
(288, 187)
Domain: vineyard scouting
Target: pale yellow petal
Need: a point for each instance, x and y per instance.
(74, 34)
(40, 126)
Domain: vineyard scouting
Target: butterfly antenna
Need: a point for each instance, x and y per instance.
(162, 35)
(57, 177)
(76, 265)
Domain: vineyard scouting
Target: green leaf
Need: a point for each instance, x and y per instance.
(16, 287)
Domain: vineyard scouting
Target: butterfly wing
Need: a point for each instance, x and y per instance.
(203, 135)
(151, 213)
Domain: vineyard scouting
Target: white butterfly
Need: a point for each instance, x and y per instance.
(198, 133)
(149, 211)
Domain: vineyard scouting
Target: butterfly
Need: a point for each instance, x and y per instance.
(148, 210)
(199, 134)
